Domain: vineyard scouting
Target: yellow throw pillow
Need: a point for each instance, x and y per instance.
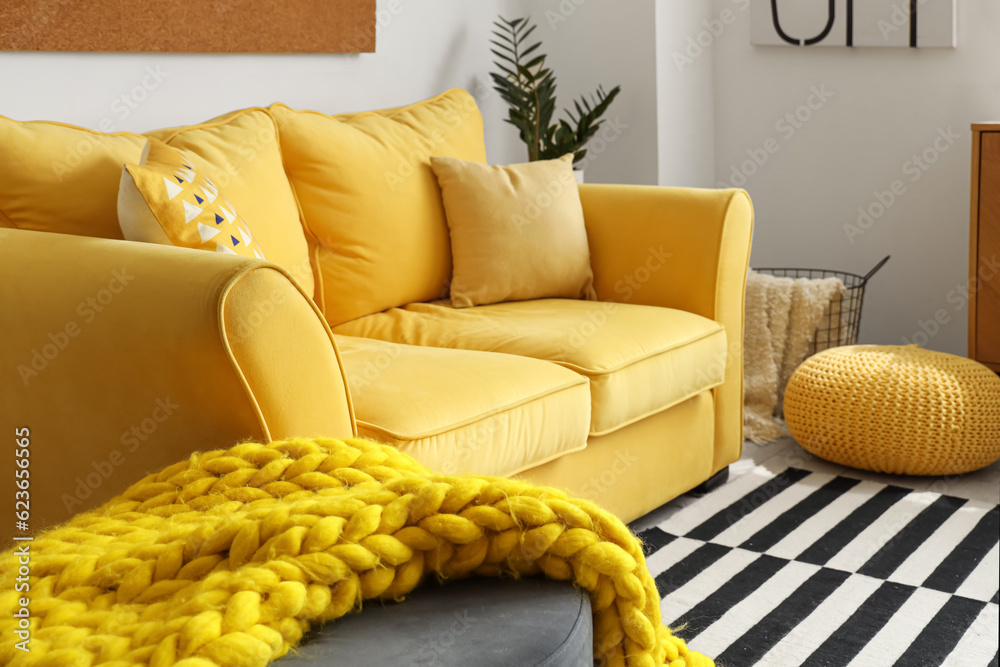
(60, 178)
(168, 198)
(241, 155)
(369, 201)
(517, 232)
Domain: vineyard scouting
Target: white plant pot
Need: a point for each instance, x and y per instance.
(578, 173)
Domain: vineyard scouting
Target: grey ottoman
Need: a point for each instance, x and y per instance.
(480, 622)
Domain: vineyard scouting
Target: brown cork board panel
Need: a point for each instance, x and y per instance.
(188, 26)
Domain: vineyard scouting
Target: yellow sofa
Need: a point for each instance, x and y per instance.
(121, 356)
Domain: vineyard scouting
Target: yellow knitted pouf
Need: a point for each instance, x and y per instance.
(898, 409)
(227, 558)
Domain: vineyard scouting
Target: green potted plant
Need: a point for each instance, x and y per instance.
(529, 89)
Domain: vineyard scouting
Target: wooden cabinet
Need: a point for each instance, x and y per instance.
(984, 252)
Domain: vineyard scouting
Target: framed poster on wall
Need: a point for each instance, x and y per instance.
(902, 23)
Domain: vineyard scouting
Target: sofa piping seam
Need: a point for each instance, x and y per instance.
(365, 114)
(548, 459)
(227, 348)
(646, 357)
(207, 125)
(716, 304)
(224, 338)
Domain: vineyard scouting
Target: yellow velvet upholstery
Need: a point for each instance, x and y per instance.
(639, 360)
(643, 382)
(120, 357)
(707, 233)
(61, 178)
(633, 470)
(454, 414)
(369, 200)
(896, 408)
(517, 232)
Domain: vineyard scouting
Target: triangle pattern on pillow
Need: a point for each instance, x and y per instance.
(245, 233)
(191, 211)
(209, 191)
(172, 188)
(189, 201)
(207, 233)
(229, 211)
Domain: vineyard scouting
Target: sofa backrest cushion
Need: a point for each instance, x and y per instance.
(241, 155)
(370, 203)
(61, 178)
(65, 179)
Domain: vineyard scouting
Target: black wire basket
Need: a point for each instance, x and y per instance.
(842, 319)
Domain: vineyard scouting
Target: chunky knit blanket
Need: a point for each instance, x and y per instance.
(227, 558)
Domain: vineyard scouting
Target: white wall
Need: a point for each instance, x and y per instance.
(885, 106)
(423, 48)
(661, 127)
(591, 42)
(685, 101)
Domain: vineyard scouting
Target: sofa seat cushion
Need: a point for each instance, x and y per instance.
(639, 359)
(463, 411)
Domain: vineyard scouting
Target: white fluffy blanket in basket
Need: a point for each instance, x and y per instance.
(782, 315)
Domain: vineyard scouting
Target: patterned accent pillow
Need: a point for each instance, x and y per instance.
(168, 198)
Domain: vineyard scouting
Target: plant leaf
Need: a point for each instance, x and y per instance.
(531, 49)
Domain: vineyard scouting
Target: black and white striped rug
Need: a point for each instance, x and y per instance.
(785, 566)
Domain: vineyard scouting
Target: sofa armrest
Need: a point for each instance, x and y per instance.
(121, 358)
(683, 248)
